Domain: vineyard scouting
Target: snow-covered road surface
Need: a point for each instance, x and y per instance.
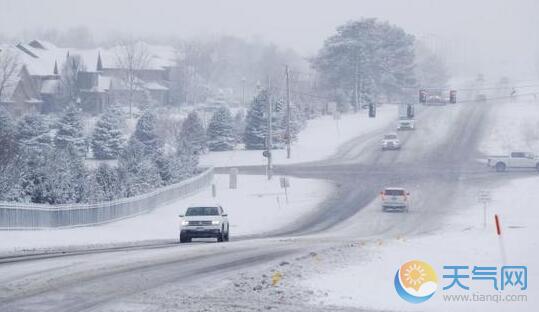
(255, 207)
(235, 276)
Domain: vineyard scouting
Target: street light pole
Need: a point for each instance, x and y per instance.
(269, 139)
(288, 138)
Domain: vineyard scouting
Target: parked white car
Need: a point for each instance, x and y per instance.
(406, 124)
(203, 221)
(395, 199)
(391, 142)
(514, 160)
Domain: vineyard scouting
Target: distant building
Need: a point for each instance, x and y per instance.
(19, 94)
(38, 85)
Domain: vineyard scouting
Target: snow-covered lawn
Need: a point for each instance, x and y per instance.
(514, 126)
(319, 140)
(366, 280)
(256, 206)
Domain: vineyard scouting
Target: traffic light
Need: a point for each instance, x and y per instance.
(422, 96)
(372, 110)
(453, 96)
(410, 111)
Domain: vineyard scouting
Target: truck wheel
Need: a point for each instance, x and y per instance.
(184, 238)
(500, 167)
(221, 235)
(227, 235)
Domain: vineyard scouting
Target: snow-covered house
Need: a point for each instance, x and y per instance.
(18, 93)
(99, 80)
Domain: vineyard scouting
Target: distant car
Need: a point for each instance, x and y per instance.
(203, 221)
(395, 199)
(391, 142)
(406, 124)
(513, 160)
(435, 100)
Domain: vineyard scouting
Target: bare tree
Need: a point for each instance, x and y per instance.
(69, 87)
(9, 63)
(132, 58)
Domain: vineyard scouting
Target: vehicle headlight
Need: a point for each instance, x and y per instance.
(215, 222)
(185, 222)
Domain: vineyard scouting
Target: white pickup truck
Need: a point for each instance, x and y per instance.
(514, 160)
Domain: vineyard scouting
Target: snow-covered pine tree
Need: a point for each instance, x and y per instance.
(145, 133)
(256, 123)
(188, 159)
(33, 133)
(221, 136)
(193, 133)
(8, 137)
(60, 179)
(138, 173)
(297, 122)
(107, 138)
(108, 182)
(170, 168)
(93, 193)
(70, 131)
(10, 165)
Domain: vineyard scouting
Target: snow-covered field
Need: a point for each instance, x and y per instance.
(513, 126)
(461, 240)
(256, 206)
(319, 140)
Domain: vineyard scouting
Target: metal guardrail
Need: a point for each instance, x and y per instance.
(15, 216)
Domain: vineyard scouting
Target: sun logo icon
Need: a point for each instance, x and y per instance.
(416, 281)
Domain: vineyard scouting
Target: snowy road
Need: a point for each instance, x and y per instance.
(437, 161)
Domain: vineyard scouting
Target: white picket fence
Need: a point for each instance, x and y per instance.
(38, 216)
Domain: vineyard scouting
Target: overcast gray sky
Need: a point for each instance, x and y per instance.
(506, 29)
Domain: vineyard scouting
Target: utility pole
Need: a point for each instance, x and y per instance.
(356, 93)
(288, 113)
(243, 92)
(269, 138)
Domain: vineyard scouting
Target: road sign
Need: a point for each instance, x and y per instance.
(484, 196)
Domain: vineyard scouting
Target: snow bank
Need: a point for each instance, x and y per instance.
(367, 280)
(319, 140)
(514, 126)
(256, 206)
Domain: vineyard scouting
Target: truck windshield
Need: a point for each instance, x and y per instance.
(202, 211)
(394, 192)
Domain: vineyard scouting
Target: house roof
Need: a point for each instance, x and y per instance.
(39, 56)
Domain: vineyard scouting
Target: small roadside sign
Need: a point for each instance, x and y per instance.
(285, 184)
